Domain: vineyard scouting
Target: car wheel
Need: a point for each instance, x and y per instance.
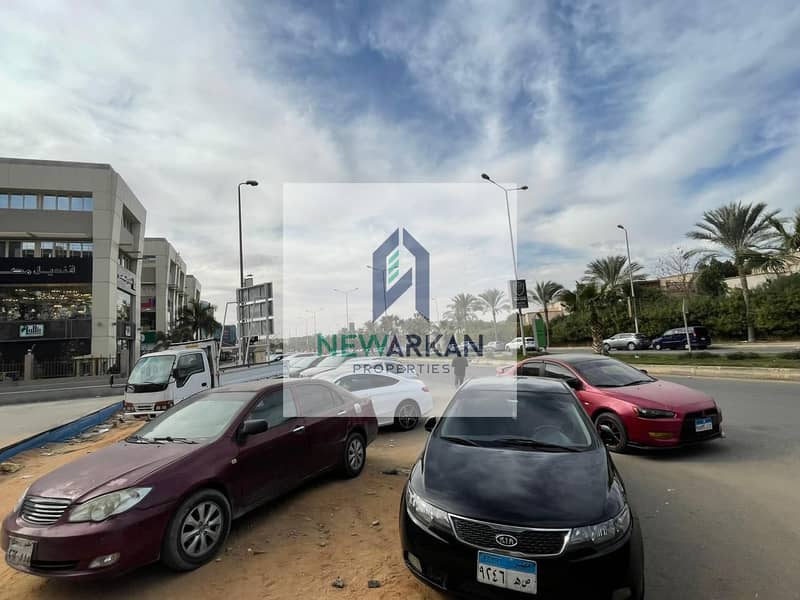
(631, 346)
(606, 347)
(657, 346)
(197, 531)
(406, 417)
(355, 455)
(617, 427)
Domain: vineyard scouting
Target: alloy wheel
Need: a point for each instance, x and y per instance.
(407, 416)
(355, 453)
(617, 435)
(201, 529)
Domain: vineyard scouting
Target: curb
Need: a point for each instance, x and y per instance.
(719, 372)
(62, 432)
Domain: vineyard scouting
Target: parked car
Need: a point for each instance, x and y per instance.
(699, 338)
(528, 501)
(294, 367)
(375, 365)
(170, 491)
(516, 344)
(328, 363)
(627, 341)
(494, 346)
(637, 410)
(397, 400)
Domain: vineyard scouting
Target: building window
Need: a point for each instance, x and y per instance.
(49, 202)
(63, 203)
(46, 249)
(16, 201)
(29, 202)
(61, 249)
(45, 303)
(28, 249)
(88, 204)
(3, 200)
(123, 306)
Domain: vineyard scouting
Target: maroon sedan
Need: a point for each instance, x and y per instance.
(170, 491)
(629, 407)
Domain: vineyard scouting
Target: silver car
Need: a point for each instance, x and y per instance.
(627, 341)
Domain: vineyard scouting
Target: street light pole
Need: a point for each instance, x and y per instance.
(314, 315)
(513, 250)
(251, 182)
(630, 277)
(346, 305)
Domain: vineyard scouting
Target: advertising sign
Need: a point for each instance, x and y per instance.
(32, 330)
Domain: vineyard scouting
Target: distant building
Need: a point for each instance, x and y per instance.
(193, 289)
(163, 285)
(71, 240)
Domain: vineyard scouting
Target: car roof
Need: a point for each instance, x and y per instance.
(574, 358)
(524, 384)
(262, 385)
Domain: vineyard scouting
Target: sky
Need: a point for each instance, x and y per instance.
(611, 112)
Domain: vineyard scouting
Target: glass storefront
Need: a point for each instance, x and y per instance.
(123, 306)
(18, 303)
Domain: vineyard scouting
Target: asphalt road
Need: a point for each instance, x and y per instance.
(720, 520)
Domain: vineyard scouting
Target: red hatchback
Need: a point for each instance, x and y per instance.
(170, 491)
(629, 407)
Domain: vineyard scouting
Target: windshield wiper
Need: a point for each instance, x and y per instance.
(637, 382)
(459, 440)
(177, 440)
(512, 441)
(137, 439)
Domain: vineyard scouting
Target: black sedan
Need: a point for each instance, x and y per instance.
(515, 496)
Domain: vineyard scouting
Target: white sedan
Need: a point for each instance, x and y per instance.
(367, 366)
(397, 400)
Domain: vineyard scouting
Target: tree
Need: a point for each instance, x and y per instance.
(611, 272)
(493, 301)
(588, 298)
(197, 317)
(678, 264)
(711, 275)
(545, 292)
(743, 233)
(462, 309)
(788, 250)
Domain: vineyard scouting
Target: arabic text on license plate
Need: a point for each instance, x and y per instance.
(20, 551)
(507, 572)
(704, 424)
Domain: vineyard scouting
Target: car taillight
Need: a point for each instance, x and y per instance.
(425, 388)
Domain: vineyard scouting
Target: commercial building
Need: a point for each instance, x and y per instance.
(193, 289)
(71, 236)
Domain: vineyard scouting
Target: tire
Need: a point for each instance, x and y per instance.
(354, 455)
(407, 415)
(657, 346)
(618, 427)
(206, 506)
(631, 346)
(607, 347)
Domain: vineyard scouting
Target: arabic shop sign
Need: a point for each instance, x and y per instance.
(32, 330)
(45, 270)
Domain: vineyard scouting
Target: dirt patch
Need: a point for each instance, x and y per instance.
(294, 548)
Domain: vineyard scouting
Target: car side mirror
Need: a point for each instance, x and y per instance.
(252, 427)
(430, 423)
(574, 383)
(607, 435)
(644, 371)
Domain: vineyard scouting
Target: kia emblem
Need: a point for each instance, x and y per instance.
(505, 540)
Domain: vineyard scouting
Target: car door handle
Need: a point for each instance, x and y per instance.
(586, 403)
(299, 429)
(341, 412)
(204, 384)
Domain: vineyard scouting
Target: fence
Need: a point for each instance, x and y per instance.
(75, 367)
(11, 371)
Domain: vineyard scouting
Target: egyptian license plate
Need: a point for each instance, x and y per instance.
(507, 572)
(704, 424)
(20, 551)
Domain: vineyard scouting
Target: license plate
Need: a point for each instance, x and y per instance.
(507, 572)
(704, 424)
(20, 551)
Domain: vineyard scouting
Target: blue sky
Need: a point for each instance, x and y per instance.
(610, 111)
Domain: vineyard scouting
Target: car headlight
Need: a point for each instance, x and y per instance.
(604, 532)
(101, 508)
(654, 413)
(18, 505)
(426, 513)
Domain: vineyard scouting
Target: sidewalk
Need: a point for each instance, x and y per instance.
(62, 388)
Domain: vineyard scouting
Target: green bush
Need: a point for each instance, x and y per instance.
(793, 355)
(697, 355)
(742, 355)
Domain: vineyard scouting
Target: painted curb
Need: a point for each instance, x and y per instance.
(62, 432)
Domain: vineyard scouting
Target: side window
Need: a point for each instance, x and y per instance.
(188, 364)
(315, 400)
(275, 408)
(354, 383)
(557, 371)
(530, 369)
(378, 381)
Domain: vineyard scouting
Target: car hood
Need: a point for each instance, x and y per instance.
(662, 394)
(316, 371)
(519, 486)
(112, 468)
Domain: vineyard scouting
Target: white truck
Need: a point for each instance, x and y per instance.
(159, 380)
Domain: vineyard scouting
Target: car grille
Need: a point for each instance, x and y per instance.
(43, 511)
(143, 407)
(544, 542)
(688, 434)
(50, 566)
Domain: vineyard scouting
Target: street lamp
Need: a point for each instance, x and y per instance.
(252, 182)
(630, 276)
(346, 305)
(314, 314)
(513, 250)
(383, 277)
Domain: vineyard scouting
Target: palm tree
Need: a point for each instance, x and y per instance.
(493, 301)
(545, 292)
(588, 297)
(197, 317)
(611, 272)
(744, 233)
(462, 309)
(788, 251)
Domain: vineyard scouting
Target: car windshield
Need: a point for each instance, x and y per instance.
(332, 361)
(608, 372)
(529, 420)
(152, 369)
(204, 418)
(305, 361)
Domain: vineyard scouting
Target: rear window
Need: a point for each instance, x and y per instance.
(700, 331)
